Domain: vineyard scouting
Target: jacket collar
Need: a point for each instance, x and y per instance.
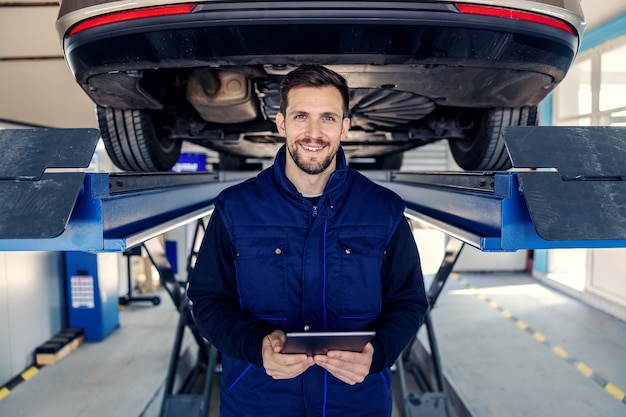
(335, 182)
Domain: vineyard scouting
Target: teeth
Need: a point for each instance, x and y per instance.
(310, 148)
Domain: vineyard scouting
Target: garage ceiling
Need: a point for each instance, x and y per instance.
(599, 11)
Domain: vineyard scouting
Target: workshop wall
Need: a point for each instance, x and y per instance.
(36, 87)
(32, 306)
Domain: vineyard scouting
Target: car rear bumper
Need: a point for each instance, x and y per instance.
(432, 40)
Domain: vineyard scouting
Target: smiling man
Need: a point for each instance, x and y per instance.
(314, 123)
(310, 244)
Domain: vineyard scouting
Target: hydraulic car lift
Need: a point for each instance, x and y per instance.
(568, 191)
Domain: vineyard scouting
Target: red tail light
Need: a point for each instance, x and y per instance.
(131, 15)
(516, 15)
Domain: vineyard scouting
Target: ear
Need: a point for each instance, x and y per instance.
(345, 126)
(280, 123)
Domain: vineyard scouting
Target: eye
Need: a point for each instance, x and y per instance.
(329, 118)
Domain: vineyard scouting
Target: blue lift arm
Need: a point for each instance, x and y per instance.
(43, 207)
(104, 219)
(568, 191)
(490, 211)
(577, 200)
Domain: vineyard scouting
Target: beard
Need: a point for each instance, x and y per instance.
(313, 167)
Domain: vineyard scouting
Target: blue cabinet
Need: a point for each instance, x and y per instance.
(92, 293)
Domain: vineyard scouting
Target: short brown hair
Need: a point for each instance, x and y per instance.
(313, 76)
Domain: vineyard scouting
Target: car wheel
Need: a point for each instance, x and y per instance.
(134, 143)
(485, 150)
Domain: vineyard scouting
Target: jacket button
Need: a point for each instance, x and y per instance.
(306, 327)
(278, 251)
(348, 251)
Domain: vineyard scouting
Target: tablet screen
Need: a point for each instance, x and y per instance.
(314, 343)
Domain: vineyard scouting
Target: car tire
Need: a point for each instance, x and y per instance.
(485, 150)
(134, 143)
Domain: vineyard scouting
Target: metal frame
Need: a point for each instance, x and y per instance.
(433, 401)
(485, 210)
(191, 396)
(110, 216)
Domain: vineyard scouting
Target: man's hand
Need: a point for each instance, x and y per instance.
(349, 367)
(279, 365)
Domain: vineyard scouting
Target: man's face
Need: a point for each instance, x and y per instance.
(313, 127)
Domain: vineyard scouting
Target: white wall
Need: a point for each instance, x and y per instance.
(32, 306)
(606, 275)
(36, 85)
(598, 12)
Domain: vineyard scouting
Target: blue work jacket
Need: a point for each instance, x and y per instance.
(296, 266)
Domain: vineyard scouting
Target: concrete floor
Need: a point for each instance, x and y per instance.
(512, 347)
(115, 377)
(509, 346)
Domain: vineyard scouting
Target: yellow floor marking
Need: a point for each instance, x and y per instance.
(559, 351)
(29, 373)
(539, 337)
(614, 391)
(4, 392)
(584, 369)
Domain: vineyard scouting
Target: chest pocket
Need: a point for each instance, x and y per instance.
(359, 288)
(261, 264)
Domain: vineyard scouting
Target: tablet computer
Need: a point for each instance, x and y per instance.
(318, 343)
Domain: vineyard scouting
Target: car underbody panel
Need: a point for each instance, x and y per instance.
(418, 71)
